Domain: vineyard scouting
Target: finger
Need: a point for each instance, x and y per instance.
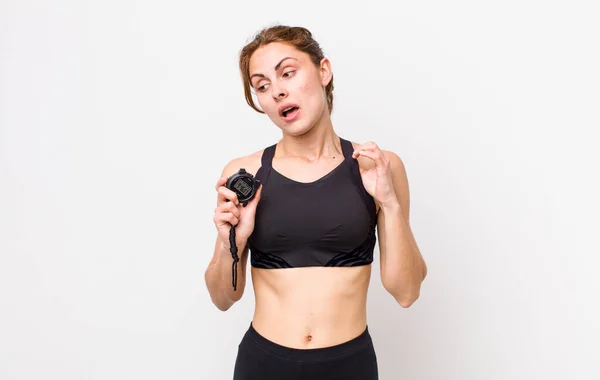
(366, 146)
(228, 207)
(226, 217)
(225, 194)
(376, 155)
(258, 194)
(370, 147)
(256, 197)
(221, 182)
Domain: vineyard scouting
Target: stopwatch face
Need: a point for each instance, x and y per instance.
(243, 186)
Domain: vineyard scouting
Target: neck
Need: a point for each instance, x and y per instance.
(320, 141)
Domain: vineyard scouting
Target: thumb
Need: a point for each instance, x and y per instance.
(252, 204)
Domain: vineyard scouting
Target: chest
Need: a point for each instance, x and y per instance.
(330, 212)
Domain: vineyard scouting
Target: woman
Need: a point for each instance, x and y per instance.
(310, 229)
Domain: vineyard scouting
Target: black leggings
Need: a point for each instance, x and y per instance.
(261, 359)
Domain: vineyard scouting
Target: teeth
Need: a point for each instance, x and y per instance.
(287, 109)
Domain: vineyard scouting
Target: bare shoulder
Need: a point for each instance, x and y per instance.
(251, 163)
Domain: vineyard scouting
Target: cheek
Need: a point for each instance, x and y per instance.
(310, 89)
(313, 93)
(306, 87)
(265, 105)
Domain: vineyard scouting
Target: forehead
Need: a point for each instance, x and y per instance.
(266, 57)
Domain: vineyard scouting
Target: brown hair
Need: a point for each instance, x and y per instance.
(299, 37)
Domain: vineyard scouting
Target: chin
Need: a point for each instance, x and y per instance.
(296, 129)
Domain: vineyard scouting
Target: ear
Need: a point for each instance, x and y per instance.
(325, 72)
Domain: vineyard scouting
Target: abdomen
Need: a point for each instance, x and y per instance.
(310, 307)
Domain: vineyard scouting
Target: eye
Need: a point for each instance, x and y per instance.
(262, 88)
(288, 72)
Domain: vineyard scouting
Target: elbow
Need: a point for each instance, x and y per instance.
(405, 289)
(407, 301)
(218, 297)
(404, 297)
(222, 303)
(223, 307)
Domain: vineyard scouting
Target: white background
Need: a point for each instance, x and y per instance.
(117, 117)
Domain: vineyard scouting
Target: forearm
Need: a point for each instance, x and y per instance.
(403, 267)
(219, 280)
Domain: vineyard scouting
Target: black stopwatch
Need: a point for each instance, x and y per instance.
(244, 185)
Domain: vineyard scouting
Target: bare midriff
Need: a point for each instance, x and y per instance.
(310, 307)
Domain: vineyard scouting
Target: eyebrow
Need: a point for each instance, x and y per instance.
(276, 68)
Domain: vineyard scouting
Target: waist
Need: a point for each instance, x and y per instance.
(321, 354)
(310, 307)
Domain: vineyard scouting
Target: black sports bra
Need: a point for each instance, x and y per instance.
(328, 222)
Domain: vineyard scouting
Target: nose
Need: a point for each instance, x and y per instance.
(278, 92)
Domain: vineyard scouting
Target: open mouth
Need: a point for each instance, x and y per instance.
(289, 112)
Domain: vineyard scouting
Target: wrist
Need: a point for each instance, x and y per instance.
(226, 247)
(391, 207)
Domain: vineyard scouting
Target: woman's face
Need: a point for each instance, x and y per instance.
(284, 77)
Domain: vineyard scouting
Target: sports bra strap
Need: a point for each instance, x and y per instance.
(347, 149)
(267, 156)
(266, 160)
(352, 163)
